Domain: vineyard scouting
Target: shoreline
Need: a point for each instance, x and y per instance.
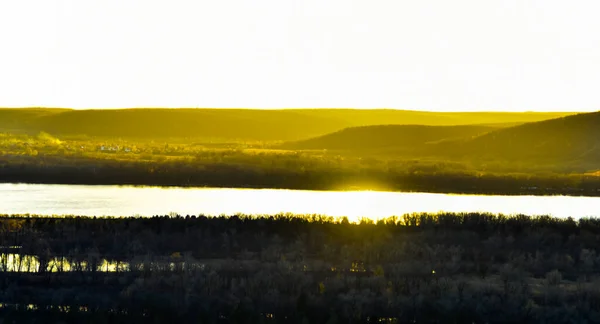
(573, 192)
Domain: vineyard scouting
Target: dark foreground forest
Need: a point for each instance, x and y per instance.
(421, 268)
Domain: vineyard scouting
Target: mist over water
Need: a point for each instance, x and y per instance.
(148, 201)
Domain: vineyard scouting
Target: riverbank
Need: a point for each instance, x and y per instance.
(272, 171)
(446, 267)
(188, 163)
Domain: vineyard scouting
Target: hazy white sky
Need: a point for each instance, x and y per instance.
(417, 54)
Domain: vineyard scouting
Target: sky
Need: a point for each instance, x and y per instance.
(460, 55)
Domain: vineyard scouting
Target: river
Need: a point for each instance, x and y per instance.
(85, 200)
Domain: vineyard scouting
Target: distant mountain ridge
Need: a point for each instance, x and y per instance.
(236, 124)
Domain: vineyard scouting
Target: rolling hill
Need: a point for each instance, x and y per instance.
(396, 138)
(17, 119)
(574, 137)
(568, 141)
(235, 124)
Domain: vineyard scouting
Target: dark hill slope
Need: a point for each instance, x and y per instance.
(231, 124)
(15, 119)
(574, 137)
(407, 137)
(209, 123)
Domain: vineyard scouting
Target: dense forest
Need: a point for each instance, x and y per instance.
(424, 268)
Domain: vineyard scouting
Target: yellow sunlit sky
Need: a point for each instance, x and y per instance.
(459, 55)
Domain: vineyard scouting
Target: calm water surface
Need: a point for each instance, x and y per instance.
(148, 201)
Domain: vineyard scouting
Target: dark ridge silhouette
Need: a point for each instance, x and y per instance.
(575, 138)
(234, 124)
(409, 137)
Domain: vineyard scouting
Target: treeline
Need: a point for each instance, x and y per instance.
(452, 268)
(47, 159)
(237, 168)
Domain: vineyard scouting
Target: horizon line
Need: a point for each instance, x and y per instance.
(308, 108)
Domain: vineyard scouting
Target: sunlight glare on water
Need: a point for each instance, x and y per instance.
(148, 201)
